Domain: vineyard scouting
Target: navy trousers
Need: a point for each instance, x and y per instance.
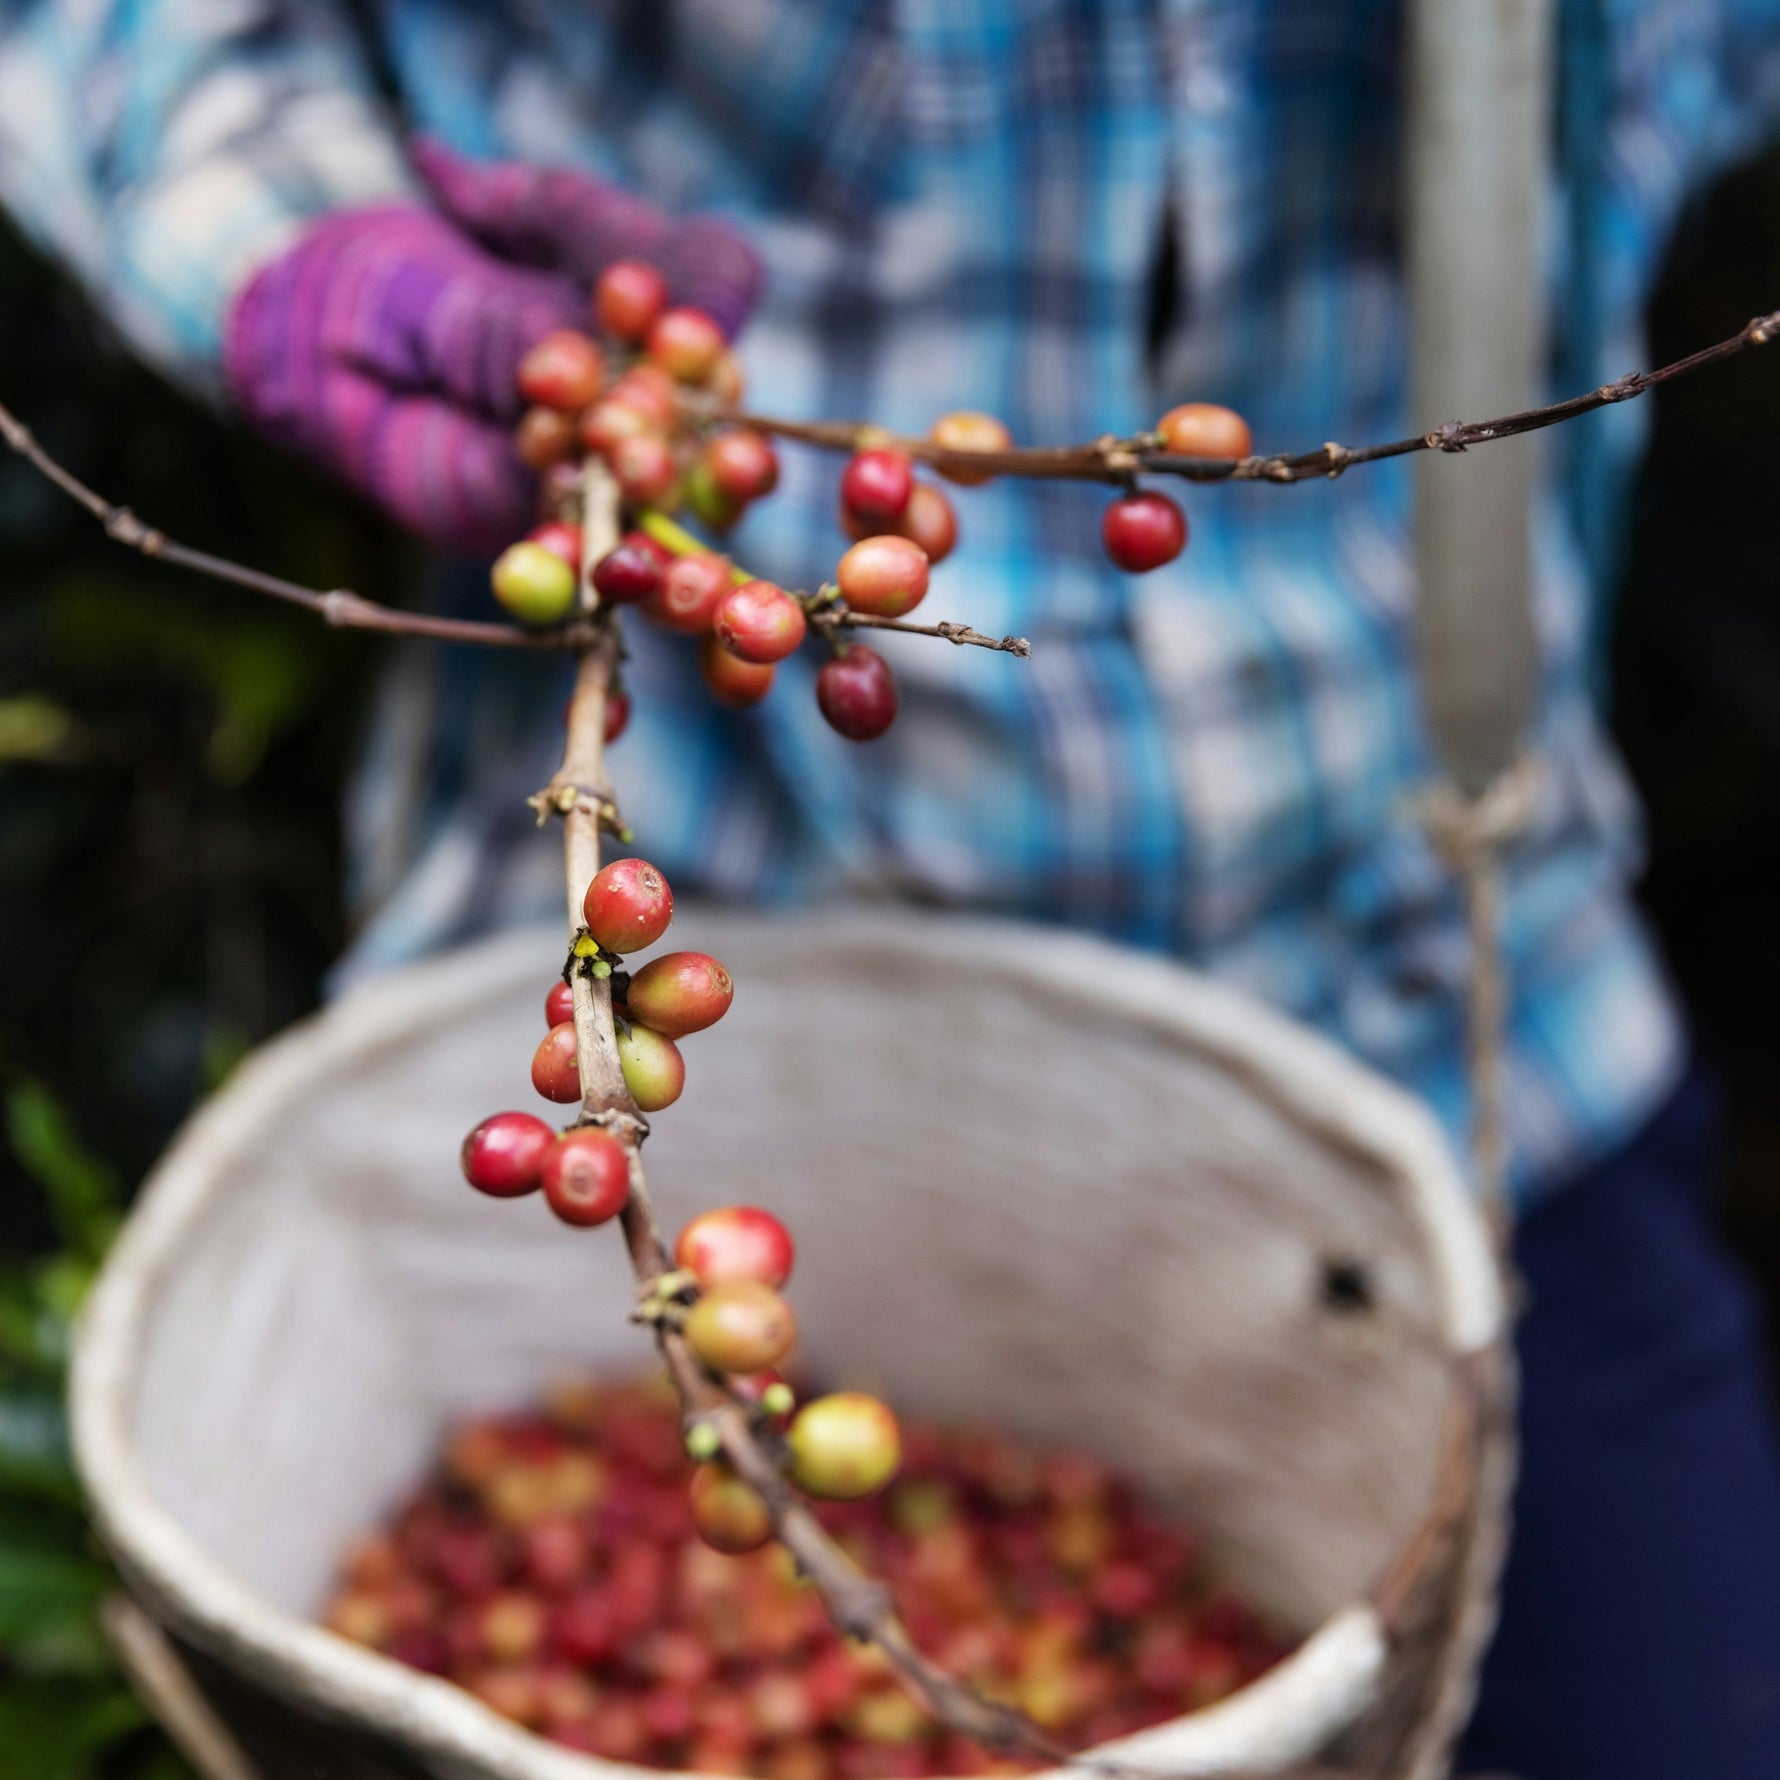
(1640, 1631)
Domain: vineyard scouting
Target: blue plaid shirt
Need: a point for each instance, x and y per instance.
(960, 204)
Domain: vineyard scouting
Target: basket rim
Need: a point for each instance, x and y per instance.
(1284, 1717)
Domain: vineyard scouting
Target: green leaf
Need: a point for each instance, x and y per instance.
(34, 1457)
(57, 1730)
(81, 1188)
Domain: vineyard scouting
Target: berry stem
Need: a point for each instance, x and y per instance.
(671, 535)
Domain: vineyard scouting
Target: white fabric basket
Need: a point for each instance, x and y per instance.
(1033, 1179)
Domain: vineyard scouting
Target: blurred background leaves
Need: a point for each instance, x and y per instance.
(171, 757)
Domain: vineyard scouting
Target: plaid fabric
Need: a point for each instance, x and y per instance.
(960, 203)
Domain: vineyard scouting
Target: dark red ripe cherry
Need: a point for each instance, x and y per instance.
(626, 573)
(565, 370)
(1143, 531)
(560, 539)
(681, 992)
(857, 693)
(555, 1073)
(628, 297)
(691, 589)
(627, 906)
(876, 485)
(559, 1004)
(617, 715)
(732, 681)
(736, 1242)
(743, 465)
(759, 622)
(504, 1154)
(586, 1177)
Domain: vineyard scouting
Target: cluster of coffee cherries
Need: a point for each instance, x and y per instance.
(550, 1567)
(585, 1172)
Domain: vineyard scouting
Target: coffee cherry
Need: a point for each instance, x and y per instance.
(654, 1070)
(586, 1177)
(559, 1004)
(844, 1446)
(732, 681)
(626, 573)
(740, 1327)
(875, 486)
(856, 692)
(629, 296)
(730, 1515)
(727, 380)
(886, 576)
(617, 714)
(555, 1073)
(736, 1242)
(503, 1155)
(565, 370)
(533, 583)
(759, 622)
(691, 588)
(712, 508)
(686, 343)
(743, 464)
(561, 539)
(681, 992)
(931, 522)
(1143, 531)
(1203, 429)
(608, 422)
(967, 430)
(544, 436)
(644, 468)
(627, 906)
(652, 392)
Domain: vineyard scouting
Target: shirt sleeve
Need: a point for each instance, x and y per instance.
(164, 150)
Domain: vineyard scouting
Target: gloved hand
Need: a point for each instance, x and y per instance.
(384, 344)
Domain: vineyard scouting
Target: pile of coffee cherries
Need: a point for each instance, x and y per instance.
(652, 398)
(585, 1172)
(552, 1568)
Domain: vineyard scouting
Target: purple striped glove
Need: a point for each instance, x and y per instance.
(384, 344)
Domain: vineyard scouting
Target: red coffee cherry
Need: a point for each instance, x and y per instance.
(968, 430)
(627, 906)
(856, 692)
(740, 1327)
(876, 485)
(931, 522)
(617, 714)
(759, 622)
(1203, 429)
(560, 538)
(555, 1073)
(652, 392)
(743, 465)
(644, 469)
(544, 436)
(607, 422)
(681, 992)
(504, 1154)
(732, 681)
(736, 1242)
(686, 343)
(691, 588)
(886, 576)
(586, 1177)
(1143, 531)
(626, 573)
(565, 370)
(559, 1004)
(654, 1070)
(844, 1446)
(629, 296)
(730, 1515)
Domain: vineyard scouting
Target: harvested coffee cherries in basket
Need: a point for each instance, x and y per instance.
(554, 1566)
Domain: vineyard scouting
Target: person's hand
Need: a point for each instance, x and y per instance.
(385, 342)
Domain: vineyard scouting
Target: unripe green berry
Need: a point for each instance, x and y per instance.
(533, 583)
